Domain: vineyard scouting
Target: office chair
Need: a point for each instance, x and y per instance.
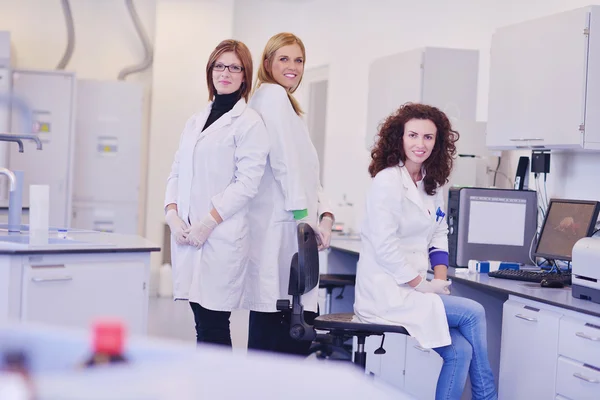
(304, 276)
(333, 281)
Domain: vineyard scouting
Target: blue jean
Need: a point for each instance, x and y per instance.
(467, 354)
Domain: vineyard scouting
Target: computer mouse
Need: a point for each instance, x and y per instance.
(552, 283)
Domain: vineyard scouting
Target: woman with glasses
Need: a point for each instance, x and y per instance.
(217, 170)
(290, 193)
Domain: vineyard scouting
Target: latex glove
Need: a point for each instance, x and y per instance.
(324, 231)
(179, 229)
(201, 230)
(437, 286)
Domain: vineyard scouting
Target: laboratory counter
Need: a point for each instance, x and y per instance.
(529, 290)
(76, 241)
(69, 278)
(542, 342)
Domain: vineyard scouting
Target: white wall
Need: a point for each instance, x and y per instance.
(187, 31)
(349, 37)
(106, 40)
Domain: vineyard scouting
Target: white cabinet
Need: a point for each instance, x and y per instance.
(545, 83)
(51, 96)
(393, 362)
(422, 370)
(529, 352)
(578, 372)
(72, 290)
(445, 78)
(405, 365)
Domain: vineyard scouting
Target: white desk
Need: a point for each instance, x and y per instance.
(538, 338)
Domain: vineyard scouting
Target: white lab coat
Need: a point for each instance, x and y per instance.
(219, 167)
(399, 228)
(291, 182)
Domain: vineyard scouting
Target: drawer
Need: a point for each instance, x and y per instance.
(580, 340)
(576, 380)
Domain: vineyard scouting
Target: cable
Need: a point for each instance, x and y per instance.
(504, 175)
(533, 262)
(147, 61)
(546, 191)
(496, 171)
(70, 35)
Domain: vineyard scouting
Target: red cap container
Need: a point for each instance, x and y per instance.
(109, 337)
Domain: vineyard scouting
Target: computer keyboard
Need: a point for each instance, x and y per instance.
(531, 276)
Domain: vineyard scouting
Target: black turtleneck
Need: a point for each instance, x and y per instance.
(223, 103)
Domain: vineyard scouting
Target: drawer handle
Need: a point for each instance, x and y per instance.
(526, 140)
(421, 349)
(584, 378)
(584, 336)
(526, 318)
(56, 279)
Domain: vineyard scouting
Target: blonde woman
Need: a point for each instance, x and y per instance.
(217, 170)
(290, 193)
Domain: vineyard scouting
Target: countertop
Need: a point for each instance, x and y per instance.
(78, 241)
(556, 297)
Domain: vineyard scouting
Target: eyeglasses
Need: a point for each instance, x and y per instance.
(233, 68)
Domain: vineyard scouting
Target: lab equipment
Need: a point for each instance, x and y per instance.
(566, 222)
(586, 269)
(50, 96)
(490, 224)
(109, 154)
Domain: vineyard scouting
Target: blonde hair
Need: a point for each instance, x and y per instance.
(242, 52)
(265, 75)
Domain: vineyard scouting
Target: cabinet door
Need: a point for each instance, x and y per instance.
(422, 370)
(393, 361)
(537, 83)
(74, 294)
(529, 352)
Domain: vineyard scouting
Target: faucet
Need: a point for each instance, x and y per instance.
(12, 137)
(26, 115)
(6, 138)
(11, 177)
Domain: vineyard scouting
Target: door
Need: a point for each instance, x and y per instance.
(74, 292)
(422, 370)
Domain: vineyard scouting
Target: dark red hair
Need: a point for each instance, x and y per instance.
(389, 149)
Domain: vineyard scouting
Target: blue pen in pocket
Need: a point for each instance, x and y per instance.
(439, 214)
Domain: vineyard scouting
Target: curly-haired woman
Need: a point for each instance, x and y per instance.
(404, 233)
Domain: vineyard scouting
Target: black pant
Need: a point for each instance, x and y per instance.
(271, 332)
(211, 326)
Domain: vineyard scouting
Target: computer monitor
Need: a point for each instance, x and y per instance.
(566, 222)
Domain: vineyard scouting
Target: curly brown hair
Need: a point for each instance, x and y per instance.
(389, 148)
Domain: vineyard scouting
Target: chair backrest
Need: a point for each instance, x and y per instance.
(304, 271)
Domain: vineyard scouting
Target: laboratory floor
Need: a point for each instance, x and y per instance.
(174, 320)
